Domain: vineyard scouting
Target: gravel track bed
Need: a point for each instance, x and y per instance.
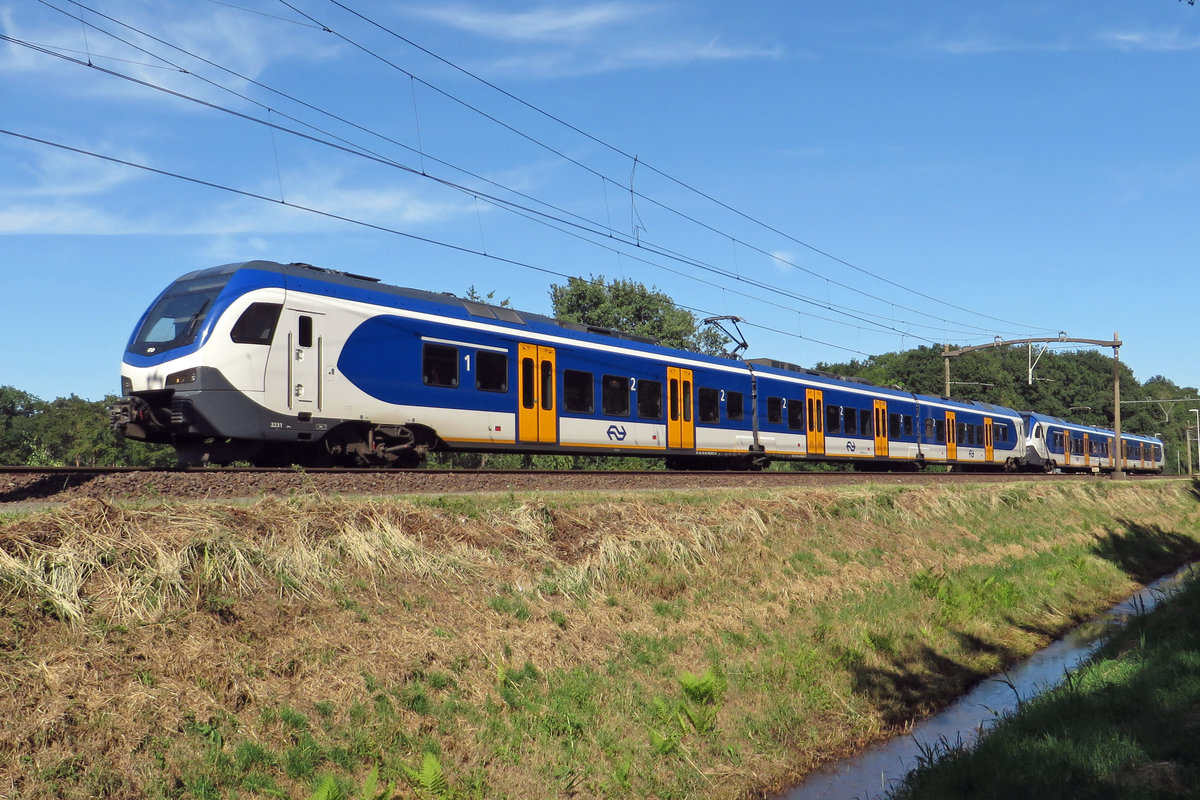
(55, 487)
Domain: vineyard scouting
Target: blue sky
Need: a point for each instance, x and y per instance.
(850, 178)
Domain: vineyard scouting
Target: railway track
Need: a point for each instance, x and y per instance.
(61, 484)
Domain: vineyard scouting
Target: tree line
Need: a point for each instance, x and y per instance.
(68, 432)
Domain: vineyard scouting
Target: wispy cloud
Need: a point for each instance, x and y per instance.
(994, 42)
(593, 38)
(990, 43)
(1172, 40)
(231, 38)
(541, 24)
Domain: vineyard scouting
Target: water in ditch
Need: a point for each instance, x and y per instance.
(868, 774)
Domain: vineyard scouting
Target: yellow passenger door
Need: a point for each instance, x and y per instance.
(537, 416)
(881, 428)
(815, 441)
(681, 426)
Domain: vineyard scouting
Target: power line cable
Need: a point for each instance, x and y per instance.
(357, 150)
(341, 218)
(633, 193)
(354, 149)
(657, 171)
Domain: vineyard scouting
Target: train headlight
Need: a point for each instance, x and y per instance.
(126, 386)
(183, 376)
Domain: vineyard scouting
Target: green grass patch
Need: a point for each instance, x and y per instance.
(1124, 725)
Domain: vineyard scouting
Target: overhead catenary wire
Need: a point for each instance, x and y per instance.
(634, 158)
(354, 149)
(338, 217)
(633, 193)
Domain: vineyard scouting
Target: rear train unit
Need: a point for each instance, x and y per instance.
(288, 363)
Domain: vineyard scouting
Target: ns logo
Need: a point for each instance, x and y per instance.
(616, 433)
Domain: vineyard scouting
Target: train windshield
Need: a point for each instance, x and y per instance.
(178, 315)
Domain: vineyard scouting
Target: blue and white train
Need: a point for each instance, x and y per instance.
(289, 363)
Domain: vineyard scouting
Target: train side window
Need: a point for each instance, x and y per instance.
(615, 400)
(894, 424)
(578, 391)
(305, 335)
(929, 429)
(775, 409)
(439, 365)
(908, 424)
(833, 419)
(735, 405)
(795, 414)
(939, 431)
(1000, 433)
(865, 423)
(708, 405)
(962, 433)
(649, 399)
(257, 323)
(491, 371)
(850, 421)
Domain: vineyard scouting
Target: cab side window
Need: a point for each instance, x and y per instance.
(257, 323)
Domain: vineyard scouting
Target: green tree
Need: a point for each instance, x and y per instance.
(629, 307)
(68, 431)
(17, 410)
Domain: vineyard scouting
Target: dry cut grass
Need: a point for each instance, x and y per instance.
(172, 650)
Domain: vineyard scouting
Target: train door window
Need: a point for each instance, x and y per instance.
(735, 405)
(865, 422)
(833, 419)
(894, 424)
(578, 391)
(795, 414)
(939, 431)
(649, 399)
(686, 397)
(615, 396)
(491, 372)
(775, 409)
(527, 383)
(708, 405)
(257, 323)
(547, 375)
(439, 365)
(304, 335)
(850, 421)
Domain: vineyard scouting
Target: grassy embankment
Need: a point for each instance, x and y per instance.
(668, 645)
(1126, 725)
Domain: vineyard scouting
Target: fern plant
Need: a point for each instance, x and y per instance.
(329, 789)
(429, 780)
